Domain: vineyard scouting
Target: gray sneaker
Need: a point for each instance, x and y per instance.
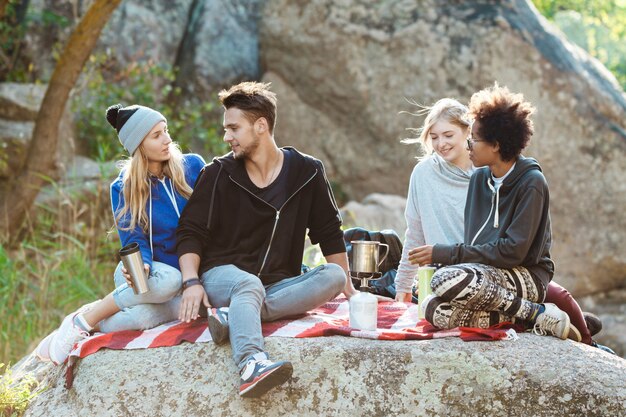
(261, 374)
(552, 322)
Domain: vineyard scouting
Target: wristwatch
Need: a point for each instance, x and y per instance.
(191, 282)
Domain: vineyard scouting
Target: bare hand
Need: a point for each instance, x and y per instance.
(128, 278)
(403, 297)
(422, 255)
(190, 304)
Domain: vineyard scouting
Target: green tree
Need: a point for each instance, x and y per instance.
(598, 26)
(19, 194)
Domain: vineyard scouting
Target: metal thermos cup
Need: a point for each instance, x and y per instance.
(366, 254)
(133, 262)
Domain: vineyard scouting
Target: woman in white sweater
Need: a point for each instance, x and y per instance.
(438, 186)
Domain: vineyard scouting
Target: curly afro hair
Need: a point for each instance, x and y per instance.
(504, 119)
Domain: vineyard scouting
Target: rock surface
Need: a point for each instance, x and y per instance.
(19, 105)
(376, 212)
(342, 70)
(346, 377)
(213, 44)
(611, 308)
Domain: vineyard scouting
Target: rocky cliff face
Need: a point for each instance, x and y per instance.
(212, 43)
(342, 376)
(342, 70)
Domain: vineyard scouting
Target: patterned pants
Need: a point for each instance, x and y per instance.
(477, 295)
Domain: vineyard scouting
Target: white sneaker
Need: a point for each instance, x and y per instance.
(552, 322)
(42, 351)
(574, 334)
(64, 339)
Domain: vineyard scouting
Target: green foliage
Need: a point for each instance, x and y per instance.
(15, 395)
(597, 26)
(13, 27)
(192, 124)
(65, 261)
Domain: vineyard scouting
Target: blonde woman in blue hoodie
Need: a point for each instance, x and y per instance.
(147, 198)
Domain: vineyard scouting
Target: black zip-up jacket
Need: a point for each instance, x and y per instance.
(226, 223)
(509, 227)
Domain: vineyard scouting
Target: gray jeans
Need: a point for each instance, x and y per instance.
(250, 302)
(145, 311)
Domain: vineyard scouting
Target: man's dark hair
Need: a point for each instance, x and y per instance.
(254, 99)
(504, 119)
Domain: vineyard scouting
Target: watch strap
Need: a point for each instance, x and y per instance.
(191, 282)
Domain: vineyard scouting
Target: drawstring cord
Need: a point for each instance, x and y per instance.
(151, 248)
(495, 196)
(496, 191)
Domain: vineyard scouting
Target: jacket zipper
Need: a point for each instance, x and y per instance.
(269, 246)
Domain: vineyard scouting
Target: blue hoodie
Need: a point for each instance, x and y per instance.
(164, 216)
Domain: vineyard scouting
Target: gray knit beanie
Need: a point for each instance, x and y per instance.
(133, 123)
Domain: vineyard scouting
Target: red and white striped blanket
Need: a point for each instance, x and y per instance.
(396, 321)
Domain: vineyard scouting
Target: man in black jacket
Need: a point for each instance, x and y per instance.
(241, 237)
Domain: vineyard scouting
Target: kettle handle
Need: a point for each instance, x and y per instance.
(385, 255)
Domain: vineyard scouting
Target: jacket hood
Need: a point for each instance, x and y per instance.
(522, 166)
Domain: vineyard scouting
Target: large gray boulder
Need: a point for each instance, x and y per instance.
(211, 43)
(610, 307)
(376, 212)
(342, 71)
(149, 30)
(343, 376)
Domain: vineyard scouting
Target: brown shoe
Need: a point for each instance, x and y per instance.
(594, 324)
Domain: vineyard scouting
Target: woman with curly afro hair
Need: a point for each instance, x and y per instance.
(501, 271)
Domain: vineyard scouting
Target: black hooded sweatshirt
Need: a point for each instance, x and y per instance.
(224, 222)
(509, 227)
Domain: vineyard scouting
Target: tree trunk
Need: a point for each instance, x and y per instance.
(3, 7)
(20, 194)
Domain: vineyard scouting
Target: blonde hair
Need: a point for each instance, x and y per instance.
(447, 109)
(136, 185)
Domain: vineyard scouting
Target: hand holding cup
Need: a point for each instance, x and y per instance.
(135, 268)
(129, 279)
